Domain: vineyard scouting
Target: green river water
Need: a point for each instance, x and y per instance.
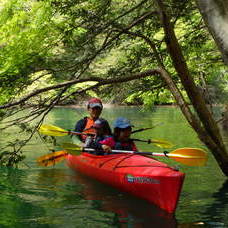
(32, 196)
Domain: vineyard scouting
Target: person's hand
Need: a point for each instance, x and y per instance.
(106, 148)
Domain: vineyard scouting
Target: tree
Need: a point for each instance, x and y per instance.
(215, 14)
(156, 45)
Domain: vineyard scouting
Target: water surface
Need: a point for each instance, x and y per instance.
(33, 196)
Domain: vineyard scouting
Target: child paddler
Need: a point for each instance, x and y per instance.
(120, 139)
(101, 133)
(85, 125)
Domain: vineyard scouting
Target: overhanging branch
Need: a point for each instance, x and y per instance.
(100, 81)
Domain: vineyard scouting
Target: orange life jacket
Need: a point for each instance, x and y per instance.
(88, 128)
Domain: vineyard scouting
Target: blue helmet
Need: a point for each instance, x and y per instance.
(122, 122)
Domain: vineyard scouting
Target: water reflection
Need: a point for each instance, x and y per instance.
(218, 210)
(16, 210)
(130, 211)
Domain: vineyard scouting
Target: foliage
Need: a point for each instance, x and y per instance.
(217, 83)
(67, 36)
(50, 42)
(27, 35)
(11, 158)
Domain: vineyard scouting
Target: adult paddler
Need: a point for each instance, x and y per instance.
(85, 125)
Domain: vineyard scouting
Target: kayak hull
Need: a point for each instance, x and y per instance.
(138, 175)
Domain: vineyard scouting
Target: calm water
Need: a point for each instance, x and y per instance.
(33, 196)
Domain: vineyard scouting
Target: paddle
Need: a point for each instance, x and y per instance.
(52, 158)
(187, 156)
(57, 131)
(55, 157)
(147, 128)
(157, 142)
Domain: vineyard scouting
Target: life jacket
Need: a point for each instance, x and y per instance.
(124, 146)
(94, 143)
(88, 128)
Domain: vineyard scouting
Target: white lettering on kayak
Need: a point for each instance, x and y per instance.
(144, 180)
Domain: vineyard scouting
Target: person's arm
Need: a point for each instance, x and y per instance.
(95, 145)
(79, 127)
(107, 144)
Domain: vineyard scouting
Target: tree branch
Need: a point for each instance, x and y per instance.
(101, 82)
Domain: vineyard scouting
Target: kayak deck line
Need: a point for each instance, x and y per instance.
(113, 158)
(128, 156)
(154, 166)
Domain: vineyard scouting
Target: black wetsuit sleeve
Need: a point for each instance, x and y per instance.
(79, 127)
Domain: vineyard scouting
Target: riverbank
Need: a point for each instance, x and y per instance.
(108, 105)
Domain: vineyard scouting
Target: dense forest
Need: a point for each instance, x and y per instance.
(141, 52)
(46, 43)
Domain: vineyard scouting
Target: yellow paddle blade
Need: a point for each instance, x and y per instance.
(189, 156)
(72, 148)
(52, 130)
(162, 143)
(52, 158)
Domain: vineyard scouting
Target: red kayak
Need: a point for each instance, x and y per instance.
(138, 175)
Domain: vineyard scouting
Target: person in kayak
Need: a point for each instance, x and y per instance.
(101, 133)
(121, 137)
(85, 125)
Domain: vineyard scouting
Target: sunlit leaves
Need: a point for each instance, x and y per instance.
(65, 35)
(27, 36)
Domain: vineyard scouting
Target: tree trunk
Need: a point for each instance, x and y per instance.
(192, 119)
(209, 132)
(215, 15)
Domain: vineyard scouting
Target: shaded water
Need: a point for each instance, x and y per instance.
(58, 197)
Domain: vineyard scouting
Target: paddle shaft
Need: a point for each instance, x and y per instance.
(73, 133)
(141, 140)
(57, 131)
(163, 154)
(144, 129)
(187, 156)
(133, 152)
